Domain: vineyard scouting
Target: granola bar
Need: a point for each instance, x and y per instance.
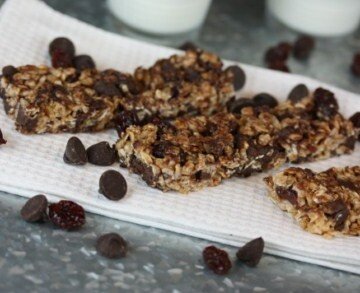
(43, 99)
(190, 153)
(325, 203)
(190, 83)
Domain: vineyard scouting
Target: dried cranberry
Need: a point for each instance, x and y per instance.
(278, 53)
(217, 260)
(303, 47)
(124, 120)
(82, 62)
(325, 103)
(355, 66)
(67, 215)
(279, 66)
(2, 140)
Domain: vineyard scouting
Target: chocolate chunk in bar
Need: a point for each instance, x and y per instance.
(111, 245)
(9, 71)
(34, 209)
(355, 119)
(325, 103)
(298, 93)
(101, 154)
(188, 46)
(251, 253)
(112, 185)
(75, 153)
(236, 105)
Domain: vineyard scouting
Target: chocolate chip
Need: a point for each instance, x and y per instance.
(106, 89)
(340, 219)
(182, 158)
(350, 142)
(210, 129)
(192, 75)
(355, 119)
(174, 92)
(251, 253)
(215, 147)
(101, 154)
(25, 121)
(239, 77)
(298, 93)
(326, 105)
(60, 59)
(349, 185)
(2, 140)
(159, 149)
(62, 44)
(339, 211)
(112, 185)
(111, 245)
(34, 209)
(188, 46)
(303, 47)
(124, 120)
(9, 71)
(235, 106)
(83, 62)
(75, 153)
(202, 175)
(264, 99)
(138, 167)
(287, 194)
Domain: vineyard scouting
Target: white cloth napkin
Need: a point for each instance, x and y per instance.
(232, 213)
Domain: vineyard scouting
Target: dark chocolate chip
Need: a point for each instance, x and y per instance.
(339, 211)
(9, 71)
(112, 185)
(25, 121)
(251, 253)
(350, 142)
(182, 158)
(83, 62)
(202, 175)
(60, 59)
(303, 47)
(246, 172)
(192, 75)
(239, 77)
(326, 105)
(111, 245)
(355, 119)
(159, 149)
(264, 99)
(34, 209)
(340, 219)
(75, 153)
(298, 93)
(106, 89)
(334, 207)
(138, 167)
(124, 120)
(101, 154)
(62, 44)
(278, 53)
(215, 147)
(188, 46)
(235, 106)
(2, 140)
(287, 194)
(210, 129)
(174, 92)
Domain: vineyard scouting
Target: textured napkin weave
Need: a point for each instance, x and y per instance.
(231, 213)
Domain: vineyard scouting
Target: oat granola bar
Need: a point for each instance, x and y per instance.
(190, 153)
(42, 99)
(190, 83)
(325, 203)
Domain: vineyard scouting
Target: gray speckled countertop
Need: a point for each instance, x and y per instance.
(38, 258)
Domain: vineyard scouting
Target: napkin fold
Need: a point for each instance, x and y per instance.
(232, 213)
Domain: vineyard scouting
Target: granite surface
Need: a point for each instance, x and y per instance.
(39, 258)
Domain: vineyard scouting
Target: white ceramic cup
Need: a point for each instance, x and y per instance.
(318, 17)
(161, 17)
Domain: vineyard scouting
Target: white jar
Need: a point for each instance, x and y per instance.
(161, 17)
(318, 17)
